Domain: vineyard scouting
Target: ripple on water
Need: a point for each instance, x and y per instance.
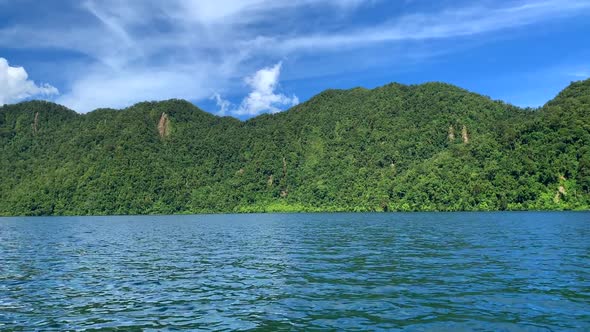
(436, 272)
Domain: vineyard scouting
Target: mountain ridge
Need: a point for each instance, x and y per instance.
(327, 91)
(427, 147)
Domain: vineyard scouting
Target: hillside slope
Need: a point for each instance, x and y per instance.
(429, 147)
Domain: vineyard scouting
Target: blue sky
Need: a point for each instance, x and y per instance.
(246, 57)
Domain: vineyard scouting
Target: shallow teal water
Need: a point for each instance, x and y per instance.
(432, 271)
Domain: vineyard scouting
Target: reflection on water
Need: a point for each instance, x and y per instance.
(431, 271)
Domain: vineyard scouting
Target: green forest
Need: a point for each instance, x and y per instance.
(428, 147)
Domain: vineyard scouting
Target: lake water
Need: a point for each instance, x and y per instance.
(420, 271)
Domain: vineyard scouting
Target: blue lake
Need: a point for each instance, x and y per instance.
(416, 271)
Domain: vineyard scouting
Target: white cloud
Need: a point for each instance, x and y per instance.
(263, 97)
(103, 86)
(243, 11)
(452, 23)
(224, 105)
(16, 86)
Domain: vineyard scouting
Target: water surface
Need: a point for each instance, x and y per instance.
(420, 271)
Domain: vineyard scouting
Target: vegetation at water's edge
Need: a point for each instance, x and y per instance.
(429, 147)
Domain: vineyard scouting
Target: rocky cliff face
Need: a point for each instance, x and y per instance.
(36, 123)
(465, 135)
(451, 134)
(164, 125)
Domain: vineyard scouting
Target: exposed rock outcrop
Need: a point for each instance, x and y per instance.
(465, 135)
(561, 192)
(164, 125)
(451, 133)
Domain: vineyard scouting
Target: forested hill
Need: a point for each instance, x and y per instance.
(429, 147)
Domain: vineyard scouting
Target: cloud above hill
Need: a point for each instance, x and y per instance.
(263, 97)
(16, 86)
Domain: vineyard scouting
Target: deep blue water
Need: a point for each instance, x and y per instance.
(420, 271)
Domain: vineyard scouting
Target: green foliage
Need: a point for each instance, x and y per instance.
(394, 148)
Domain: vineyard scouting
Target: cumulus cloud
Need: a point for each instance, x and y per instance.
(16, 86)
(263, 97)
